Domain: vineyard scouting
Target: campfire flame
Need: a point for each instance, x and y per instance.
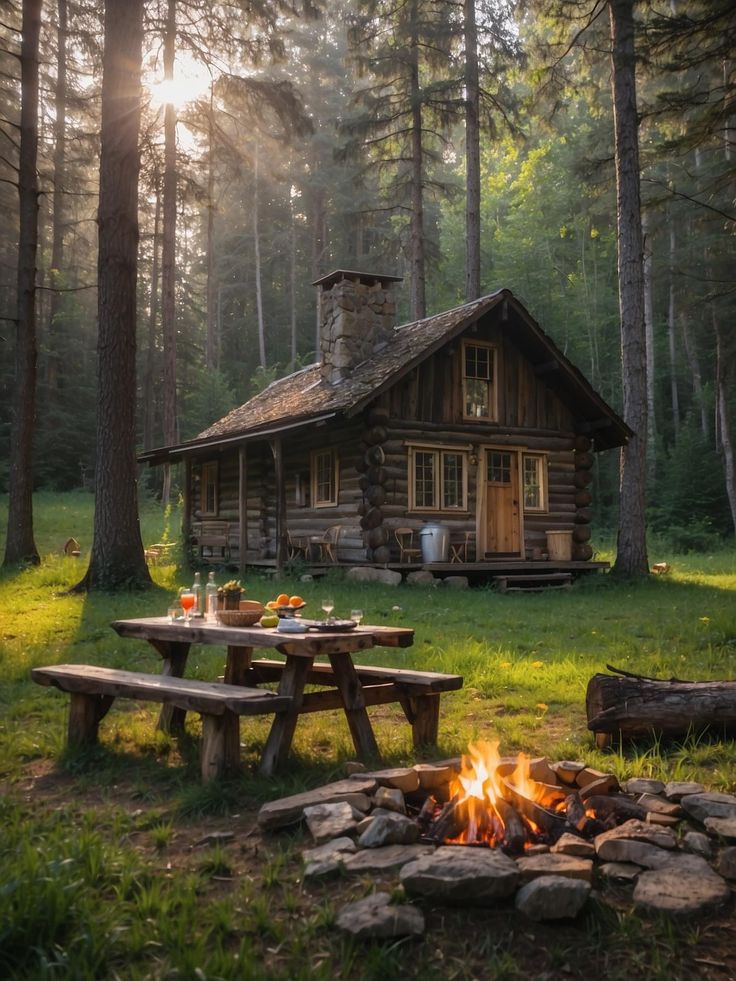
(497, 803)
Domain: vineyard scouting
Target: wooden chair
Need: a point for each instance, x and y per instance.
(327, 544)
(460, 549)
(214, 535)
(408, 551)
(297, 546)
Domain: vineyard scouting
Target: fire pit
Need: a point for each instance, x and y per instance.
(515, 804)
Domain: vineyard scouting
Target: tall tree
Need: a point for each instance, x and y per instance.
(472, 154)
(20, 545)
(168, 250)
(631, 550)
(117, 558)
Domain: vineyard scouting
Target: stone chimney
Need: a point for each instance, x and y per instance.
(356, 317)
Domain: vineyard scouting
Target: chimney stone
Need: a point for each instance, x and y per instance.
(357, 313)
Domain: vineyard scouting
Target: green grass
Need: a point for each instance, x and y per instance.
(102, 870)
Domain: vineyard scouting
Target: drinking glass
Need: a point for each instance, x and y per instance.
(187, 599)
(357, 616)
(328, 605)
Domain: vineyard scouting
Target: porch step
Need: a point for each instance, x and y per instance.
(532, 582)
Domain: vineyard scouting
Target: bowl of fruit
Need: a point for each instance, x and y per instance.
(286, 606)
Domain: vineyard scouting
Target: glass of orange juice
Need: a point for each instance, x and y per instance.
(187, 599)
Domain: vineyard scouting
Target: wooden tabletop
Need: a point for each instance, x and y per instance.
(310, 643)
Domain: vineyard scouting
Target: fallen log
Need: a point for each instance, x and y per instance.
(627, 705)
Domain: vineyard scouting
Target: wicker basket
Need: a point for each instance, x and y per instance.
(250, 612)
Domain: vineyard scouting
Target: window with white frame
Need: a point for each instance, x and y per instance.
(209, 490)
(479, 381)
(534, 468)
(438, 479)
(323, 474)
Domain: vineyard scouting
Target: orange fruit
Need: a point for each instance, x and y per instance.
(282, 599)
(272, 604)
(296, 601)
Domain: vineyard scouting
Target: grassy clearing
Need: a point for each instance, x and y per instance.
(103, 872)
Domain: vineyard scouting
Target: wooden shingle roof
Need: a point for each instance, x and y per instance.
(304, 396)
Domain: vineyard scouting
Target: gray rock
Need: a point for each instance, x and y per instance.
(677, 789)
(402, 777)
(355, 767)
(328, 821)
(567, 771)
(724, 827)
(462, 876)
(568, 844)
(434, 777)
(385, 858)
(638, 852)
(389, 829)
(702, 806)
(635, 830)
(369, 574)
(422, 577)
(727, 863)
(376, 918)
(679, 891)
(621, 871)
(290, 810)
(326, 859)
(552, 897)
(697, 843)
(658, 805)
(456, 582)
(217, 838)
(569, 866)
(642, 785)
(391, 798)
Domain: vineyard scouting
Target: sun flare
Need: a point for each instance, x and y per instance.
(190, 82)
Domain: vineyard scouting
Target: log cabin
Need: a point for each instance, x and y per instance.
(469, 429)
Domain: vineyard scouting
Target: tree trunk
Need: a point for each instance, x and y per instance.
(724, 374)
(58, 214)
(20, 545)
(212, 358)
(117, 559)
(168, 255)
(418, 301)
(631, 553)
(472, 155)
(649, 331)
(257, 252)
(149, 397)
(292, 285)
(671, 326)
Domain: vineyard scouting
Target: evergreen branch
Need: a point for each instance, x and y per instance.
(687, 197)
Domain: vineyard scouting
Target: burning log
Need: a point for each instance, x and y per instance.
(615, 806)
(515, 834)
(451, 821)
(629, 705)
(575, 812)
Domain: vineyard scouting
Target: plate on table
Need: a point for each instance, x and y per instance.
(332, 626)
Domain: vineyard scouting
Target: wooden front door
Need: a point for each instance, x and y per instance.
(502, 512)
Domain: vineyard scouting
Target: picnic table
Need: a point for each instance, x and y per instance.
(348, 686)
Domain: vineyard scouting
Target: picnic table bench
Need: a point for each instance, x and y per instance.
(343, 685)
(93, 689)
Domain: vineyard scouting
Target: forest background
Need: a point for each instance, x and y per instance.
(290, 142)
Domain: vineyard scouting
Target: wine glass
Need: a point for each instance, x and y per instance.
(328, 605)
(187, 599)
(357, 616)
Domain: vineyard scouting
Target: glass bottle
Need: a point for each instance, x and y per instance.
(210, 598)
(198, 594)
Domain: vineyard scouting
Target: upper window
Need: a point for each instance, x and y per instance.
(535, 482)
(479, 381)
(324, 478)
(438, 479)
(209, 499)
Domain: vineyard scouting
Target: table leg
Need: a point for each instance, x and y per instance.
(278, 744)
(353, 701)
(174, 653)
(237, 665)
